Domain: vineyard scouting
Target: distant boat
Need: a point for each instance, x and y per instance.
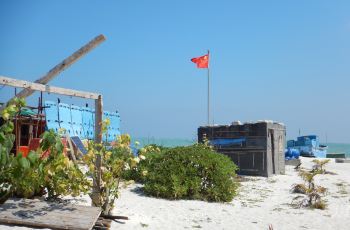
(309, 146)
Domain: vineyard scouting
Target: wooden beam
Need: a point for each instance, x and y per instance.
(46, 88)
(64, 64)
(98, 119)
(95, 196)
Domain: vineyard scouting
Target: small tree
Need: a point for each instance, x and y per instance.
(114, 162)
(313, 192)
(320, 164)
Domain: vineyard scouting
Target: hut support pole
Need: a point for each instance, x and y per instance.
(95, 197)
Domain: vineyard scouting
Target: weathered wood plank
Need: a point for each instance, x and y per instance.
(46, 88)
(41, 214)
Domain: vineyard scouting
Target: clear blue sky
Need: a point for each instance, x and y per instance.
(281, 60)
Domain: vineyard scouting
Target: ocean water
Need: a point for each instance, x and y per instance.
(339, 148)
(173, 142)
(166, 142)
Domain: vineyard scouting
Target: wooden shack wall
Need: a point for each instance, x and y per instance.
(269, 154)
(279, 139)
(255, 156)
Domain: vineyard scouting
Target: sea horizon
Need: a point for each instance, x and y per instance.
(173, 142)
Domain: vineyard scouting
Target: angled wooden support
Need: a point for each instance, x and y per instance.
(64, 64)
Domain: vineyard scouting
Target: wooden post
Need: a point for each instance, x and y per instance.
(95, 197)
(64, 64)
(98, 119)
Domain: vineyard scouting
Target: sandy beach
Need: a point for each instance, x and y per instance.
(117, 102)
(261, 201)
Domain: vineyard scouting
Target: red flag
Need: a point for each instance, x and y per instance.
(202, 61)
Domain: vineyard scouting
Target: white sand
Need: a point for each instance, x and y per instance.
(261, 201)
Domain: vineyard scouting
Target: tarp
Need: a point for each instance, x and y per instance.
(227, 141)
(27, 112)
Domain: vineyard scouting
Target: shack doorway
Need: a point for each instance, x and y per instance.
(272, 144)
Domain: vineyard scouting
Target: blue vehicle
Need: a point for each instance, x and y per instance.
(308, 146)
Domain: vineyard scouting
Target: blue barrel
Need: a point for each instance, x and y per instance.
(295, 153)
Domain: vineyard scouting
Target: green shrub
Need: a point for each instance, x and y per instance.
(60, 175)
(25, 175)
(32, 175)
(193, 172)
(139, 173)
(18, 175)
(7, 139)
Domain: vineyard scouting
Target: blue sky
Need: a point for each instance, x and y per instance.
(279, 60)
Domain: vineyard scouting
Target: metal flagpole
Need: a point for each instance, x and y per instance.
(208, 92)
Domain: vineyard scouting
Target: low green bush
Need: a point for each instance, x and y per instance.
(60, 175)
(147, 154)
(25, 175)
(34, 174)
(193, 172)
